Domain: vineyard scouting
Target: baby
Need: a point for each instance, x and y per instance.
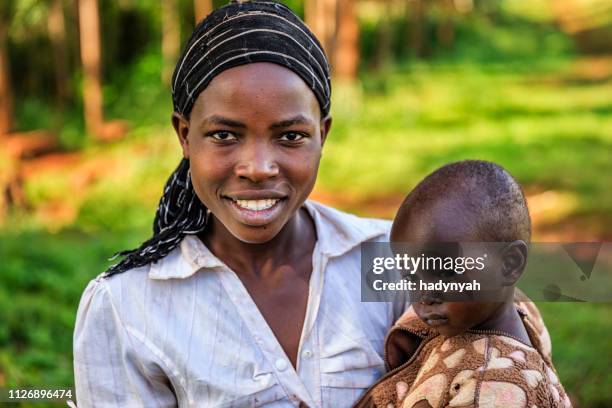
(484, 348)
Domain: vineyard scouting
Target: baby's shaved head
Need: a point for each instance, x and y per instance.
(470, 197)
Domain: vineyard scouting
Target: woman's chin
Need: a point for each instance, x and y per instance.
(254, 235)
(255, 240)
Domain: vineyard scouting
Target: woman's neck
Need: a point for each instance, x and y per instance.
(297, 238)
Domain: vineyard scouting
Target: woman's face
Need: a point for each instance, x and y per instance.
(253, 140)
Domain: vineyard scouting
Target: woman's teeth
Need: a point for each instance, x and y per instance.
(256, 205)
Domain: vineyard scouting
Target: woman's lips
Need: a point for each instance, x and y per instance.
(256, 212)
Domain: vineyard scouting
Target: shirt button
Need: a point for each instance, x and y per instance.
(306, 354)
(280, 364)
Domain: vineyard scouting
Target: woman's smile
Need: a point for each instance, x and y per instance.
(256, 205)
(256, 210)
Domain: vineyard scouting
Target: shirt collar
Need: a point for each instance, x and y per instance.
(337, 233)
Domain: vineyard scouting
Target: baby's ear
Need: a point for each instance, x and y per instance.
(514, 259)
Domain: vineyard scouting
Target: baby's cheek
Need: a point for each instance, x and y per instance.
(416, 306)
(464, 314)
(475, 313)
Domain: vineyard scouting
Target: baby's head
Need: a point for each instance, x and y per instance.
(467, 202)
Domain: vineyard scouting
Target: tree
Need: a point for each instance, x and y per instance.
(321, 18)
(202, 9)
(416, 21)
(335, 24)
(384, 38)
(170, 38)
(57, 33)
(6, 92)
(346, 56)
(89, 21)
(446, 28)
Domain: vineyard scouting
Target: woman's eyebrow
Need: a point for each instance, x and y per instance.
(296, 120)
(221, 120)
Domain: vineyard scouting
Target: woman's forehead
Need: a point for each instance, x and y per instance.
(264, 89)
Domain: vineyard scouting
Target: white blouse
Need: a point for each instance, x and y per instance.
(185, 332)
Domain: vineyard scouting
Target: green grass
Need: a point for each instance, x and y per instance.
(41, 281)
(580, 335)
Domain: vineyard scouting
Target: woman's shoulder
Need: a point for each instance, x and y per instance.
(109, 292)
(173, 275)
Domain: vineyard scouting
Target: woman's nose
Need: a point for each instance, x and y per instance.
(257, 163)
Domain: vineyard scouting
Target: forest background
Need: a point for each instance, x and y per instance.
(86, 143)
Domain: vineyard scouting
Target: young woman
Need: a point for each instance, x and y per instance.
(247, 294)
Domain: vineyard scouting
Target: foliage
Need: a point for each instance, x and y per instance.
(43, 276)
(580, 334)
(549, 133)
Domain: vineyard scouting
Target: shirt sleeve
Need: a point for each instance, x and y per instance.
(111, 367)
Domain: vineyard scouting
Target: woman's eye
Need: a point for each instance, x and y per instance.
(223, 136)
(292, 137)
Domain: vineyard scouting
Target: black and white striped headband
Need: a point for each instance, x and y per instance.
(237, 34)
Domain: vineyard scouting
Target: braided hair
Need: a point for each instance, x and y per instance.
(240, 33)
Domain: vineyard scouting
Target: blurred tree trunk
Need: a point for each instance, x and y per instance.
(416, 19)
(335, 24)
(57, 33)
(310, 15)
(202, 9)
(89, 21)
(346, 56)
(6, 94)
(446, 28)
(170, 38)
(321, 18)
(384, 39)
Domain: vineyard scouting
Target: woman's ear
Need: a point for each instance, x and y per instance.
(181, 127)
(514, 259)
(325, 127)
